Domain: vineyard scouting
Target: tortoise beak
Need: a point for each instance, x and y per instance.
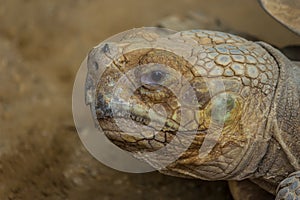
(107, 108)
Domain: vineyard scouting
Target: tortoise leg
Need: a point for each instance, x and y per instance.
(289, 188)
(247, 190)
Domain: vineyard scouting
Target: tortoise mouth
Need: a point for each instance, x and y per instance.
(138, 113)
(135, 127)
(132, 140)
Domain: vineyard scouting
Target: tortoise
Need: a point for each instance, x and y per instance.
(201, 104)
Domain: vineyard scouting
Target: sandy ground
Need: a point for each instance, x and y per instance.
(42, 44)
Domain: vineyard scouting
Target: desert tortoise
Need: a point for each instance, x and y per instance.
(237, 98)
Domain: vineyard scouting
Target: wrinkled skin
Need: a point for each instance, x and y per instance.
(199, 88)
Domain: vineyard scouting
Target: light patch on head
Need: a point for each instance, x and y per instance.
(223, 108)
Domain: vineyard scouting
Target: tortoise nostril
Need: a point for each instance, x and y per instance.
(96, 66)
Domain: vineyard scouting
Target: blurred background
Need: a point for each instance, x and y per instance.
(42, 44)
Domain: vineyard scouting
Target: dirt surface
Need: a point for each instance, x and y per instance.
(42, 44)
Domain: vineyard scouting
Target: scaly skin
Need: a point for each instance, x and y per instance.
(224, 71)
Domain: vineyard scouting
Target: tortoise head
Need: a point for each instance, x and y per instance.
(193, 103)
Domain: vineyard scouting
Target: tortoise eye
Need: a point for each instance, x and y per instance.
(153, 77)
(157, 76)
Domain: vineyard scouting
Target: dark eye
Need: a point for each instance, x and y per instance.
(153, 77)
(157, 76)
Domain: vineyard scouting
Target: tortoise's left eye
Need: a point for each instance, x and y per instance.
(154, 77)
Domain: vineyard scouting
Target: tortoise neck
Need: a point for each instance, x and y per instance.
(284, 119)
(283, 130)
(286, 124)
